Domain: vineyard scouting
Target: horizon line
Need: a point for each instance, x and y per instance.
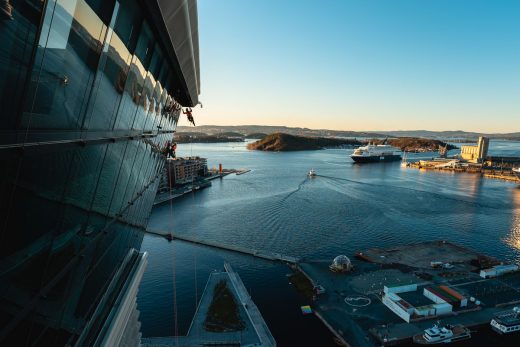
(357, 131)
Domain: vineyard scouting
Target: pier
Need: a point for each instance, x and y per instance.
(355, 304)
(457, 167)
(163, 197)
(254, 315)
(255, 331)
(263, 254)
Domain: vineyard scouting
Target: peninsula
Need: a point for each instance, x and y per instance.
(415, 144)
(280, 142)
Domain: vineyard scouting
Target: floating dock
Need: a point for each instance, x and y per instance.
(267, 255)
(163, 197)
(166, 196)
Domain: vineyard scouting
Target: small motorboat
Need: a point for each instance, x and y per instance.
(312, 173)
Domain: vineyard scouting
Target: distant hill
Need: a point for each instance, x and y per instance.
(453, 134)
(256, 136)
(266, 129)
(230, 134)
(204, 138)
(280, 142)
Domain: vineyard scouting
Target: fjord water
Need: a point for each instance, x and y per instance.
(348, 207)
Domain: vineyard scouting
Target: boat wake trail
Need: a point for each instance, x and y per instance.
(300, 186)
(440, 196)
(345, 179)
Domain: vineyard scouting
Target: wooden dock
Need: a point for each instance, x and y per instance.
(263, 254)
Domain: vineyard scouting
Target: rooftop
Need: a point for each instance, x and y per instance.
(416, 298)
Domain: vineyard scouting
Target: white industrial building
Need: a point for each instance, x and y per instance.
(406, 311)
(498, 270)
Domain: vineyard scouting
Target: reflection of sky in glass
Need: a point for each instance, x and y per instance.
(119, 48)
(513, 239)
(67, 16)
(61, 24)
(141, 72)
(64, 12)
(88, 19)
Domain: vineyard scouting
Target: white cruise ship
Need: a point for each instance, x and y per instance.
(376, 153)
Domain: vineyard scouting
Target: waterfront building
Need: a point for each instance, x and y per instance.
(429, 304)
(90, 91)
(475, 154)
(498, 270)
(498, 162)
(185, 170)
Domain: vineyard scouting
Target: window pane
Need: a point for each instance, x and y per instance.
(61, 84)
(17, 38)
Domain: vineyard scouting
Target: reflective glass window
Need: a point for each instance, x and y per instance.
(18, 28)
(129, 20)
(67, 59)
(110, 82)
(132, 98)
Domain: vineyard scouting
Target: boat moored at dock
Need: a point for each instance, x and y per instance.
(506, 322)
(440, 335)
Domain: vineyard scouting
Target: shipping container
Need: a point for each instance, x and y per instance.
(463, 301)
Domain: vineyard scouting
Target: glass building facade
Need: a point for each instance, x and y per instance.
(90, 90)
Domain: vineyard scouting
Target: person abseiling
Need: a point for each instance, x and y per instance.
(188, 112)
(169, 149)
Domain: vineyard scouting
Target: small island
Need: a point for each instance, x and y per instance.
(415, 144)
(280, 142)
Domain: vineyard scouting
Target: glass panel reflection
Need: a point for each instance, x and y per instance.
(69, 54)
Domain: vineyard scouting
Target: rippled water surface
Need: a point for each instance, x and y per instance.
(348, 207)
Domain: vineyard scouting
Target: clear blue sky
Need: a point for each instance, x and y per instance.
(361, 64)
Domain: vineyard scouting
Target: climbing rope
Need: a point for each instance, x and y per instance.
(174, 274)
(195, 250)
(173, 147)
